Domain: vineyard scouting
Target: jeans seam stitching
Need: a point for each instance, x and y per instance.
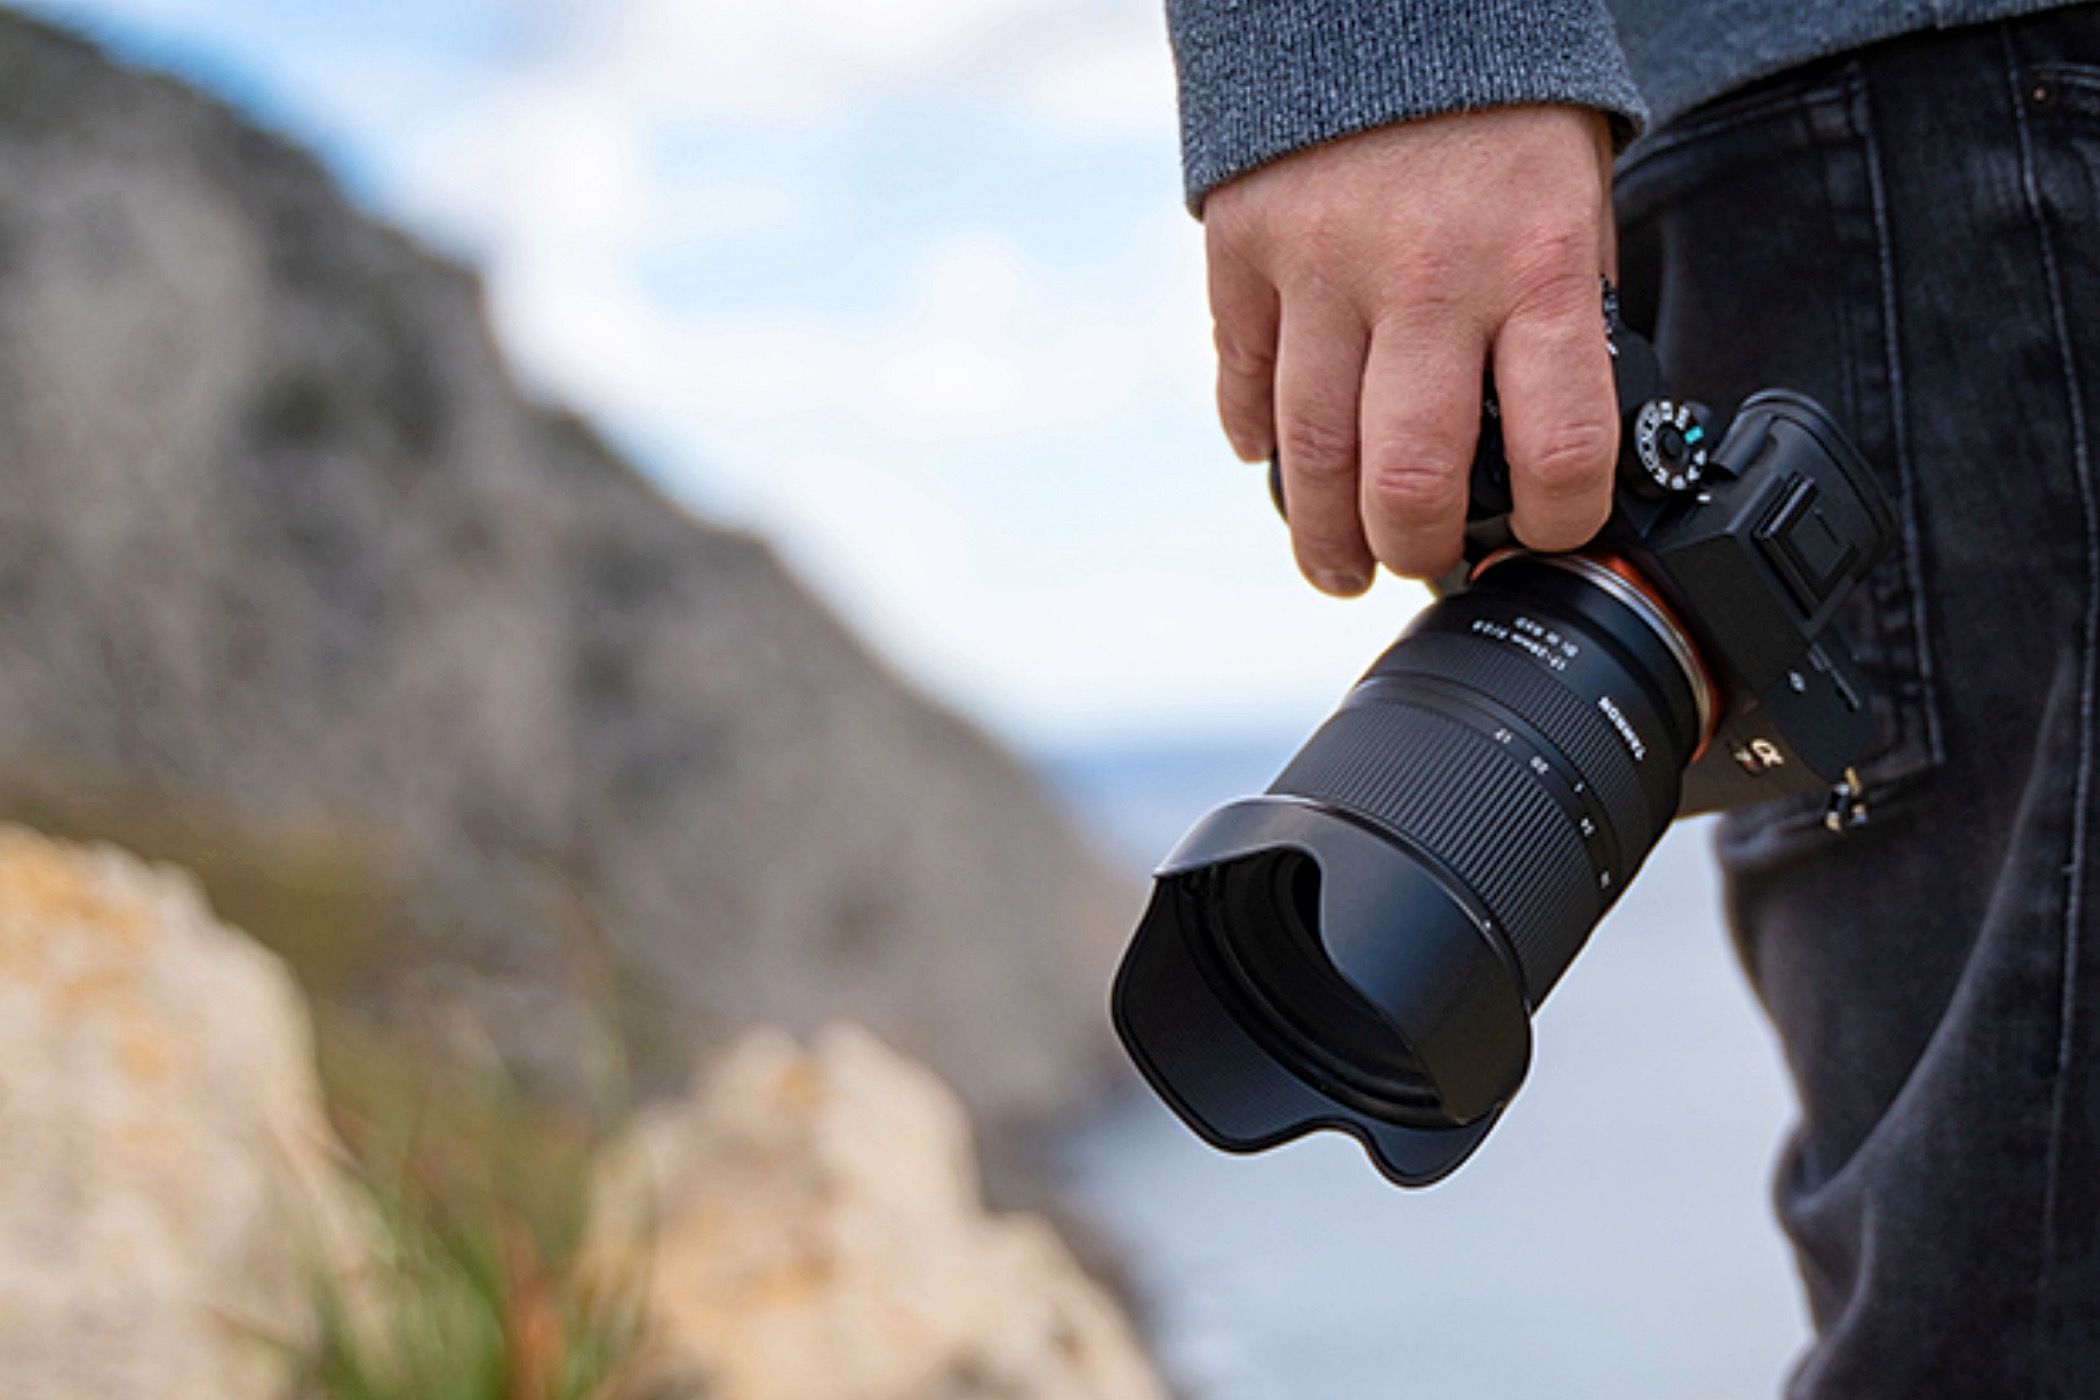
(1920, 660)
(1848, 334)
(2074, 868)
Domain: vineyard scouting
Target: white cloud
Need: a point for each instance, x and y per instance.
(778, 60)
(801, 60)
(1107, 78)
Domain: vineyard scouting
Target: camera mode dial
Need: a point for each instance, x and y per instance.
(1669, 448)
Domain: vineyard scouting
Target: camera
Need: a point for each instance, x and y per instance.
(1363, 946)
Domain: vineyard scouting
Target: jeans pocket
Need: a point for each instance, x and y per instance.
(1754, 246)
(2068, 91)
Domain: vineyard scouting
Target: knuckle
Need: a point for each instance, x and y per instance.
(1318, 449)
(1554, 264)
(1326, 249)
(1412, 485)
(1402, 306)
(1241, 357)
(1568, 461)
(1319, 229)
(1421, 279)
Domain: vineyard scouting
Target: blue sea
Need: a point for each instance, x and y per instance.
(1613, 1239)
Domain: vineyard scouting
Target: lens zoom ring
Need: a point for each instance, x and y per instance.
(1469, 801)
(1579, 731)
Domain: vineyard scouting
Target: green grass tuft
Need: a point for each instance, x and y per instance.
(483, 1288)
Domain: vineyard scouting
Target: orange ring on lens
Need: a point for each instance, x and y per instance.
(1638, 581)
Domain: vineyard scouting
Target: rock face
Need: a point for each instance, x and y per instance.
(815, 1233)
(282, 543)
(167, 1179)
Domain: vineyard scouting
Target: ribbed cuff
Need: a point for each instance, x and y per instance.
(1262, 78)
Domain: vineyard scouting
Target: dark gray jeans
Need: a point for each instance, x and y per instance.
(1912, 234)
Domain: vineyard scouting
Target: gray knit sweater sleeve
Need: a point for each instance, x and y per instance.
(1261, 78)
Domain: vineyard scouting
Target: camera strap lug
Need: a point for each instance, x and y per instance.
(1847, 808)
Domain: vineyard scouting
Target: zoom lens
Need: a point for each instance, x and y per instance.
(1362, 947)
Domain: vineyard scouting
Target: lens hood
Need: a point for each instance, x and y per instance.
(1403, 938)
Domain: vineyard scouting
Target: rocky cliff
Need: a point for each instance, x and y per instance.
(285, 555)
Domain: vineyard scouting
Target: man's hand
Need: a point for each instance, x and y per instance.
(1359, 290)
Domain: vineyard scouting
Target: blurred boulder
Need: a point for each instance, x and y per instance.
(810, 1228)
(168, 1183)
(284, 549)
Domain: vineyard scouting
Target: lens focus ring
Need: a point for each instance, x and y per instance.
(1473, 804)
(1575, 728)
(1530, 740)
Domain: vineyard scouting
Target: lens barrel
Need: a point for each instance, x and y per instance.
(1486, 738)
(1362, 947)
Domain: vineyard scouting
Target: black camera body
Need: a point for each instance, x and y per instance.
(1363, 946)
(1752, 546)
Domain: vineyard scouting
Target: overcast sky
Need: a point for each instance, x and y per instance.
(904, 284)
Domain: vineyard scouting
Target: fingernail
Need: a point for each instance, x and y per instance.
(1341, 581)
(1246, 449)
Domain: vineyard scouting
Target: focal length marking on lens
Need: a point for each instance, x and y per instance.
(1553, 770)
(1538, 641)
